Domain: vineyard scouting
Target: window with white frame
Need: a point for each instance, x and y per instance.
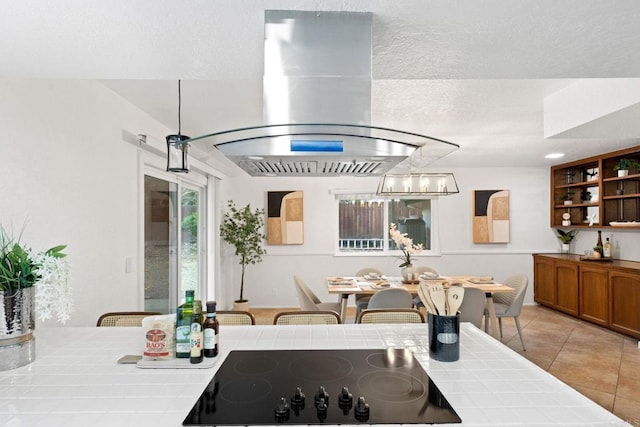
(363, 222)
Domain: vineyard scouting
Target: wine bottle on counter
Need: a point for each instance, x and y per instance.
(195, 339)
(183, 326)
(210, 330)
(599, 246)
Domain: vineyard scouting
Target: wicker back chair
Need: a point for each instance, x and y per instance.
(307, 318)
(235, 318)
(124, 318)
(391, 315)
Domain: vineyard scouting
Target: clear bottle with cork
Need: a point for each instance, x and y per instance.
(210, 331)
(606, 249)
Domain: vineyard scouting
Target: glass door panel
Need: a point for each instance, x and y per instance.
(160, 245)
(190, 248)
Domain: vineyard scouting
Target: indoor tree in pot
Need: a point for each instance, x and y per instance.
(242, 228)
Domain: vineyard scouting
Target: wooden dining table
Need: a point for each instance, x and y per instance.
(345, 286)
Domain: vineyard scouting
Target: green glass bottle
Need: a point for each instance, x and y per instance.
(183, 326)
(196, 338)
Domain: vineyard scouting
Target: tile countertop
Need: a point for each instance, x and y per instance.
(75, 380)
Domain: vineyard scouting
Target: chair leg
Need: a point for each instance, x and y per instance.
(519, 332)
(500, 323)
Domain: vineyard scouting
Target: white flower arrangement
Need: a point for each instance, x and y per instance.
(53, 290)
(405, 244)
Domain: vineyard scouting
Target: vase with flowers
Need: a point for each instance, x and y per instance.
(30, 283)
(409, 250)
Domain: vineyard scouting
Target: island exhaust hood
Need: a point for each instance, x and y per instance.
(317, 104)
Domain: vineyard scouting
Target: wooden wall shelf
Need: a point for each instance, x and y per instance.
(613, 198)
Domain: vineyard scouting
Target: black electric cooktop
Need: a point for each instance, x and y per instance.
(321, 387)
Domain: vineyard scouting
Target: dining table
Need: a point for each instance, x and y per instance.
(76, 379)
(353, 285)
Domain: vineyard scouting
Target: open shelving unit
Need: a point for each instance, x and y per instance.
(595, 193)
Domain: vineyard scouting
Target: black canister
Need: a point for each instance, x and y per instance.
(444, 337)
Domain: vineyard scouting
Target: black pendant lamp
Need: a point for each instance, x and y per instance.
(177, 147)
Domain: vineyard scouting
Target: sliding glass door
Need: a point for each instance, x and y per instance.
(173, 240)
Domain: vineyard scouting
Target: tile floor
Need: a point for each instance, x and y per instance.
(602, 365)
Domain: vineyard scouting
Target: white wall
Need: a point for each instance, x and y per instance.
(67, 176)
(270, 284)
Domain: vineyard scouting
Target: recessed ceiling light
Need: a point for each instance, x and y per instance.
(554, 156)
(255, 157)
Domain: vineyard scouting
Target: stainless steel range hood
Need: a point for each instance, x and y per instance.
(317, 104)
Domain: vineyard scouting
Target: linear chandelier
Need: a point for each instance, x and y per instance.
(418, 184)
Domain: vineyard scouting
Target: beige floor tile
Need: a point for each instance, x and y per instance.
(629, 388)
(584, 376)
(605, 400)
(628, 410)
(577, 354)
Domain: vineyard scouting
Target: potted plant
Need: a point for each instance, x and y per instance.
(408, 248)
(242, 228)
(30, 283)
(585, 196)
(597, 251)
(623, 165)
(567, 198)
(566, 237)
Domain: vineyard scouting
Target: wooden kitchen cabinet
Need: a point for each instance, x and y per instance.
(625, 302)
(594, 294)
(544, 291)
(606, 293)
(566, 278)
(556, 284)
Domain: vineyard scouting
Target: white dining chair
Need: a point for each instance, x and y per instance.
(363, 300)
(391, 298)
(473, 306)
(309, 301)
(509, 304)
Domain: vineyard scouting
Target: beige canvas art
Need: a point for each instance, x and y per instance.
(285, 218)
(491, 216)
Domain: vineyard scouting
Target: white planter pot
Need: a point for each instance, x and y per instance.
(566, 248)
(623, 172)
(241, 306)
(568, 202)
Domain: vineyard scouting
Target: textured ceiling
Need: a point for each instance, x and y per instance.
(474, 72)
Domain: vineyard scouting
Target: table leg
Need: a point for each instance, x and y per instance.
(493, 320)
(343, 308)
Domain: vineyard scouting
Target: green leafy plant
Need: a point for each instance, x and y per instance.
(625, 164)
(18, 266)
(585, 196)
(566, 237)
(242, 228)
(567, 196)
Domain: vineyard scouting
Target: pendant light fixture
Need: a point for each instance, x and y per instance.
(418, 183)
(177, 147)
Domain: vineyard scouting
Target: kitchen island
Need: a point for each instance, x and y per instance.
(76, 380)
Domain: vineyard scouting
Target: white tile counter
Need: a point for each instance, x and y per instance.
(75, 380)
